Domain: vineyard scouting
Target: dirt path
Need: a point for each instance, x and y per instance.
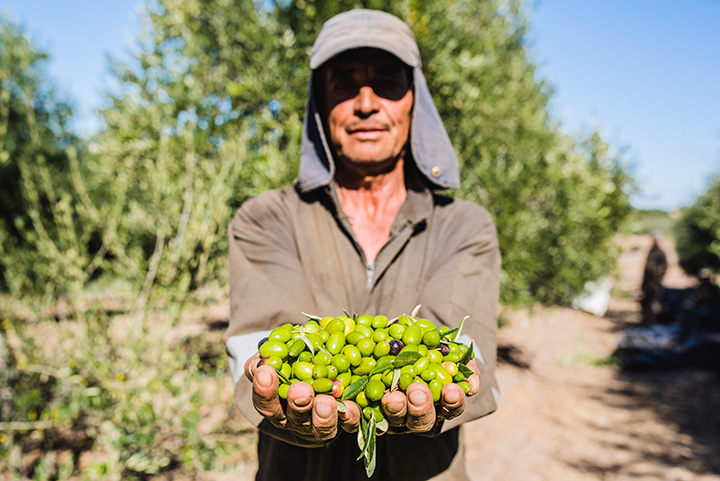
(567, 414)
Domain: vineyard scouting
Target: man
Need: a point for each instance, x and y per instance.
(655, 268)
(363, 230)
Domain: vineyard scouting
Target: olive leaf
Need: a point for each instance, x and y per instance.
(355, 388)
(346, 313)
(466, 371)
(381, 367)
(310, 316)
(459, 330)
(467, 356)
(324, 350)
(405, 358)
(449, 333)
(361, 435)
(341, 407)
(395, 379)
(382, 426)
(308, 343)
(415, 311)
(282, 376)
(370, 457)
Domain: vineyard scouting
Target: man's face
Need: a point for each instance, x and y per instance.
(368, 102)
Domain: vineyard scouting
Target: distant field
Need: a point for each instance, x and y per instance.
(649, 221)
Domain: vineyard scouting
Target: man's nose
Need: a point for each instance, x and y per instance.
(366, 102)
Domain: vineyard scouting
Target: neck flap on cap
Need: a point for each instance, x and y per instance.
(430, 146)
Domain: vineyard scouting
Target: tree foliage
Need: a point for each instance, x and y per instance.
(698, 232)
(46, 232)
(208, 113)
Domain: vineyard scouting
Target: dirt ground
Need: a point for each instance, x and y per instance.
(568, 414)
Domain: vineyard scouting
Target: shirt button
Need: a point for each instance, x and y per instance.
(435, 171)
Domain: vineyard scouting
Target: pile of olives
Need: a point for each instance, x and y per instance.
(360, 358)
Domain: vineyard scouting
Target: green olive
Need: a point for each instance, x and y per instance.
(366, 365)
(405, 380)
(295, 347)
(465, 387)
(376, 411)
(436, 389)
(322, 385)
(429, 373)
(353, 355)
(344, 378)
(380, 335)
(364, 320)
(365, 346)
(335, 342)
(396, 330)
(361, 400)
(379, 322)
(412, 335)
(274, 348)
(431, 339)
(365, 331)
(283, 390)
(336, 325)
(434, 356)
(319, 371)
(303, 370)
(341, 362)
(409, 369)
(354, 337)
(421, 364)
(441, 374)
(322, 358)
(305, 356)
(382, 348)
(425, 324)
(280, 334)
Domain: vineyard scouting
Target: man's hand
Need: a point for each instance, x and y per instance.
(415, 408)
(310, 417)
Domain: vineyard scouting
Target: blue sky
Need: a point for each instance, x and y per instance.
(646, 73)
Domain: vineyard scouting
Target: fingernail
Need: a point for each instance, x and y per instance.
(417, 397)
(394, 408)
(452, 397)
(323, 410)
(301, 402)
(264, 379)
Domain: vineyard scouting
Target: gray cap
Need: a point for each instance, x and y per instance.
(365, 28)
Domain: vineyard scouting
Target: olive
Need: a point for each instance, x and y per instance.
(303, 371)
(436, 389)
(434, 356)
(412, 335)
(405, 380)
(371, 411)
(405, 320)
(444, 349)
(366, 365)
(396, 346)
(335, 342)
(305, 356)
(323, 335)
(422, 349)
(273, 361)
(332, 372)
(274, 348)
(345, 378)
(429, 373)
(336, 325)
(325, 321)
(280, 334)
(296, 347)
(382, 348)
(459, 376)
(465, 387)
(364, 320)
(366, 347)
(379, 322)
(283, 390)
(387, 377)
(380, 335)
(441, 374)
(396, 331)
(337, 388)
(353, 355)
(409, 369)
(319, 371)
(426, 325)
(349, 325)
(322, 385)
(286, 370)
(341, 362)
(431, 339)
(409, 347)
(365, 331)
(261, 342)
(361, 399)
(354, 337)
(450, 367)
(322, 358)
(421, 364)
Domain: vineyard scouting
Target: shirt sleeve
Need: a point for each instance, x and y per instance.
(464, 281)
